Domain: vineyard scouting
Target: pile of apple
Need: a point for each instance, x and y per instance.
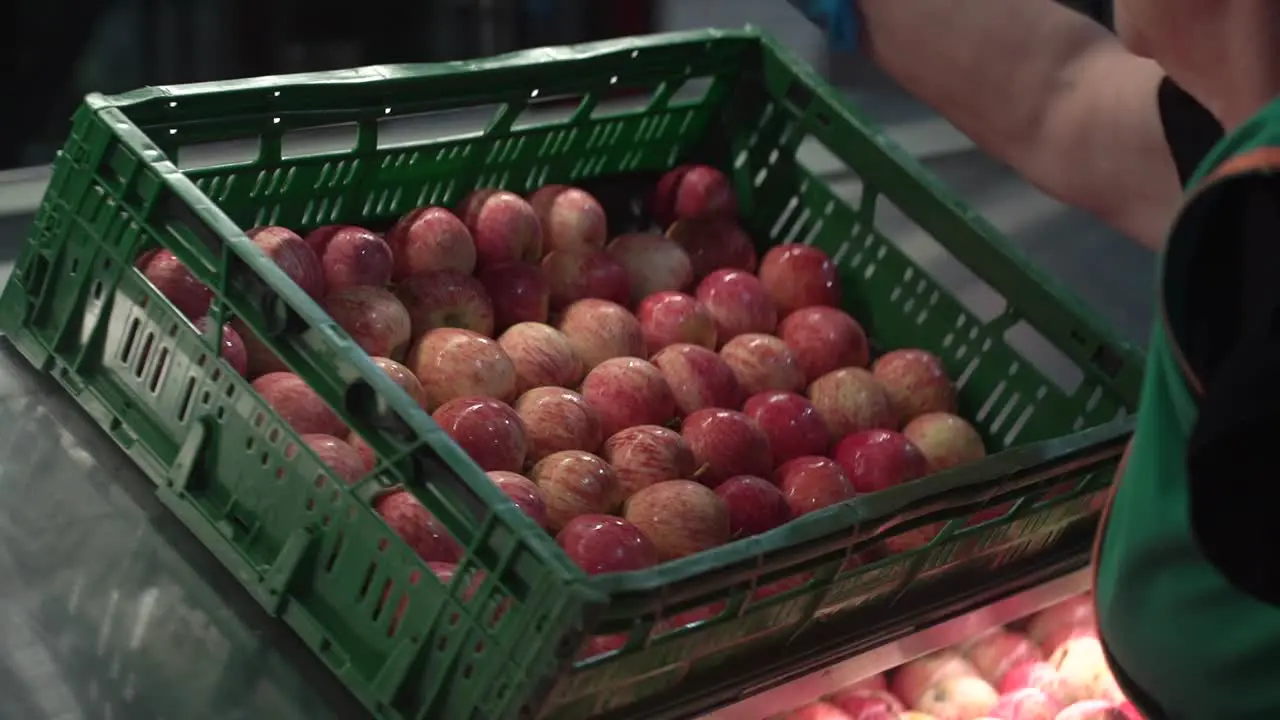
(644, 398)
(1051, 668)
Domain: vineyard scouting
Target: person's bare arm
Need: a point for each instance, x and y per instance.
(1043, 89)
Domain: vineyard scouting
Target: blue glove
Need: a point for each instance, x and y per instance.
(839, 18)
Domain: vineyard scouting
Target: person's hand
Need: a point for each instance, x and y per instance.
(839, 18)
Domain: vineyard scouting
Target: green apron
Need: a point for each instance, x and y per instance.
(1174, 627)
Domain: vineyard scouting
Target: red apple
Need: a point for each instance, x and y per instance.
(574, 483)
(1025, 704)
(1039, 675)
(488, 430)
(575, 275)
(174, 281)
(599, 330)
(791, 424)
(698, 378)
(628, 391)
(737, 303)
(420, 530)
(453, 363)
(916, 381)
(647, 454)
(714, 245)
(557, 419)
(233, 350)
(429, 239)
(262, 359)
(878, 682)
(1093, 710)
(403, 377)
(373, 317)
(726, 443)
(367, 456)
(998, 651)
(958, 698)
(681, 517)
(504, 227)
(523, 492)
(864, 703)
(946, 440)
(1082, 665)
(763, 362)
(811, 483)
(1050, 627)
(350, 256)
(799, 276)
(876, 460)
(851, 400)
(910, 681)
(519, 292)
(824, 339)
(542, 356)
(602, 544)
(755, 505)
(653, 263)
(447, 298)
(341, 458)
(571, 218)
(298, 405)
(292, 255)
(694, 191)
(670, 317)
(817, 711)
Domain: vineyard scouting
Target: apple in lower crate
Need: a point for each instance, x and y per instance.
(799, 276)
(763, 362)
(811, 483)
(693, 191)
(1094, 710)
(367, 456)
(790, 423)
(599, 330)
(916, 381)
(404, 377)
(542, 356)
(824, 339)
(262, 359)
(867, 703)
(778, 587)
(876, 460)
(557, 419)
(910, 681)
(996, 652)
(417, 527)
(1083, 666)
(523, 492)
(964, 697)
(503, 225)
(909, 540)
(714, 244)
(233, 348)
(429, 239)
(878, 682)
(374, 318)
(519, 292)
(698, 378)
(298, 405)
(851, 400)
(818, 711)
(342, 459)
(670, 317)
(351, 256)
(488, 430)
(446, 298)
(681, 517)
(1025, 704)
(755, 505)
(574, 483)
(174, 281)
(571, 218)
(602, 544)
(1052, 626)
(653, 263)
(626, 391)
(453, 363)
(1036, 674)
(946, 440)
(737, 303)
(292, 255)
(644, 455)
(575, 275)
(726, 443)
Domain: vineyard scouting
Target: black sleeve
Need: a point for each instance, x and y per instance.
(1233, 460)
(1189, 128)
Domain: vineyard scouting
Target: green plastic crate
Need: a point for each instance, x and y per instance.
(312, 552)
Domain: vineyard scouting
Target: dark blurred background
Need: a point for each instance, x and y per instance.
(58, 50)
